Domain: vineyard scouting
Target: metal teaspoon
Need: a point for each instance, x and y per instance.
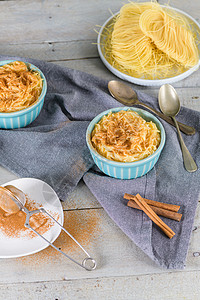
(127, 96)
(170, 105)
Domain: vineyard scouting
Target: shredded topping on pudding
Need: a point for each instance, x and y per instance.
(20, 87)
(125, 136)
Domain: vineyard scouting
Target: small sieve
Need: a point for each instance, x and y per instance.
(13, 200)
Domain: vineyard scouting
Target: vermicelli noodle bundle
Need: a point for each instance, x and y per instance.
(149, 41)
(19, 86)
(170, 36)
(128, 41)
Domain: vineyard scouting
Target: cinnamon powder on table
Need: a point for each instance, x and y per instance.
(12, 225)
(83, 225)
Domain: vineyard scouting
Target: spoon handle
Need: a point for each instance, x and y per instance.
(188, 161)
(184, 128)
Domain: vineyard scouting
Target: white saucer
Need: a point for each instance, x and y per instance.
(40, 192)
(139, 80)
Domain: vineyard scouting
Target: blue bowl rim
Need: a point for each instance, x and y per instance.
(125, 164)
(40, 99)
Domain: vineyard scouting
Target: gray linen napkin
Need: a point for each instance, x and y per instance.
(53, 148)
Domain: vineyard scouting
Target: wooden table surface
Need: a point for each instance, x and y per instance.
(62, 31)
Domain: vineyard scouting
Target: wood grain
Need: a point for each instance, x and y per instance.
(173, 285)
(63, 32)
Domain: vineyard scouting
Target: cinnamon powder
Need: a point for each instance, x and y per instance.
(83, 225)
(12, 225)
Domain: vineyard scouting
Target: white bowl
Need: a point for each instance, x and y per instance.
(43, 195)
(139, 80)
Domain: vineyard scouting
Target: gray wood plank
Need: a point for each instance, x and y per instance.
(49, 20)
(52, 51)
(176, 285)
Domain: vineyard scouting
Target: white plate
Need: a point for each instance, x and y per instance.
(40, 192)
(138, 80)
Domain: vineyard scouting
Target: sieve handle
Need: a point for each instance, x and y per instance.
(88, 263)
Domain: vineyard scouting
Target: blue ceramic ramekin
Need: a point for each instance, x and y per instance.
(23, 117)
(125, 170)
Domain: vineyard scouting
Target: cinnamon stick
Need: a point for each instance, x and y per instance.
(153, 216)
(167, 206)
(159, 211)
